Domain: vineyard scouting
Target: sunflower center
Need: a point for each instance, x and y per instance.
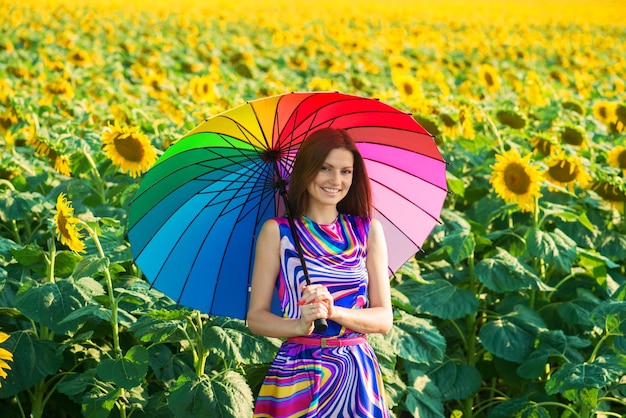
(572, 136)
(489, 79)
(129, 147)
(563, 172)
(516, 178)
(408, 89)
(61, 224)
(621, 159)
(609, 192)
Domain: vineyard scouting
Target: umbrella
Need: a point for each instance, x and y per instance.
(197, 211)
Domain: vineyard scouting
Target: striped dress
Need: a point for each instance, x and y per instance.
(309, 381)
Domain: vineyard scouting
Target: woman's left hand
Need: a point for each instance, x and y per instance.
(317, 301)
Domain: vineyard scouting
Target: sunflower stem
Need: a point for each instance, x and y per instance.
(114, 314)
(96, 177)
(53, 255)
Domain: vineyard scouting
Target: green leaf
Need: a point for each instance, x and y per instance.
(161, 361)
(15, 205)
(99, 404)
(127, 372)
(33, 361)
(51, 303)
(224, 395)
(65, 263)
(423, 399)
(152, 330)
(518, 408)
(29, 254)
(610, 315)
(578, 376)
(504, 273)
(460, 245)
(6, 248)
(439, 298)
(598, 267)
(416, 339)
(555, 248)
(512, 336)
(385, 353)
(455, 382)
(552, 343)
(90, 266)
(232, 339)
(77, 383)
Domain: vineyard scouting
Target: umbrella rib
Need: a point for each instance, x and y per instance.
(260, 209)
(407, 172)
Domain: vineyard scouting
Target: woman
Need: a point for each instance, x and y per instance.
(334, 373)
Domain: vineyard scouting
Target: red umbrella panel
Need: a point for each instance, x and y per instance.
(197, 211)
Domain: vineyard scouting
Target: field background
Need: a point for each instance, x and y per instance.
(516, 307)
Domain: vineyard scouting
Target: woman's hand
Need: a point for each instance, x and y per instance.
(316, 302)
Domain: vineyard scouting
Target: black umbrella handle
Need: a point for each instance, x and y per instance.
(320, 324)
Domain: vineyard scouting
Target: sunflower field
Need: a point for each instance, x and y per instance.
(516, 307)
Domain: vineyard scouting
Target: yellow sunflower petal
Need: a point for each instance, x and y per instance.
(516, 181)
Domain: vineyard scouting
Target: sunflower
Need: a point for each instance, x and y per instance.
(7, 120)
(128, 149)
(59, 88)
(449, 124)
(574, 106)
(603, 111)
(564, 170)
(542, 143)
(321, 84)
(429, 123)
(410, 89)
(79, 57)
(203, 88)
(573, 135)
(612, 192)
(399, 64)
(45, 148)
(5, 355)
(511, 119)
(617, 157)
(66, 229)
(619, 120)
(488, 76)
(515, 180)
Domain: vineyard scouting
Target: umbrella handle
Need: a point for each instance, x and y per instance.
(320, 325)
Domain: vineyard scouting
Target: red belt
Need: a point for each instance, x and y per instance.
(327, 342)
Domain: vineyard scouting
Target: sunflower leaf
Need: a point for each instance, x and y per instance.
(231, 339)
(416, 339)
(504, 273)
(512, 336)
(555, 248)
(439, 298)
(192, 396)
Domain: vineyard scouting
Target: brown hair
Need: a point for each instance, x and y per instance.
(309, 160)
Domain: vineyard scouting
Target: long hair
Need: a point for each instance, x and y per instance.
(310, 159)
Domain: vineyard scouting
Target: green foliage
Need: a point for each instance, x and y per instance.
(503, 314)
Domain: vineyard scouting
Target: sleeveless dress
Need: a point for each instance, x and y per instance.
(312, 381)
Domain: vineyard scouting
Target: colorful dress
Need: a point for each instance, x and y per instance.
(313, 381)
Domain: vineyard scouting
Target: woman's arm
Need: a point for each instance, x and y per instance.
(378, 317)
(266, 268)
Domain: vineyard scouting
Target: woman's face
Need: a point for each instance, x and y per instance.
(333, 180)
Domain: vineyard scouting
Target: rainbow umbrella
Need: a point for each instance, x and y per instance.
(194, 219)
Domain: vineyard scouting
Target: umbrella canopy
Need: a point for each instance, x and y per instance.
(194, 219)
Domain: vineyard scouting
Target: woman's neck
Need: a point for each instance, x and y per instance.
(322, 216)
